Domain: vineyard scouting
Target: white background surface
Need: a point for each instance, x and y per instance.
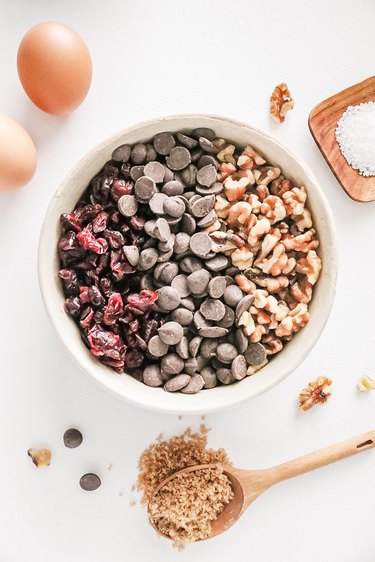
(154, 58)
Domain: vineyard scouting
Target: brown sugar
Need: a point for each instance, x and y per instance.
(185, 508)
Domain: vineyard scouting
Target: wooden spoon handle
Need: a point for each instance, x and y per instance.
(322, 457)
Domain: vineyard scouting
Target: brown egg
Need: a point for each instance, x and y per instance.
(17, 154)
(54, 66)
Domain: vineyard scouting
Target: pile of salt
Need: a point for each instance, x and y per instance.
(355, 134)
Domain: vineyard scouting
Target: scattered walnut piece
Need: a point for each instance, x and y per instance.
(40, 457)
(366, 383)
(280, 102)
(316, 392)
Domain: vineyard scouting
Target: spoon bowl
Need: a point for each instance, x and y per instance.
(247, 485)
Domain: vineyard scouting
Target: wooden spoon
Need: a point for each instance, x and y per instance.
(247, 485)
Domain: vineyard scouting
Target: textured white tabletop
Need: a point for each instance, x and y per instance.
(152, 59)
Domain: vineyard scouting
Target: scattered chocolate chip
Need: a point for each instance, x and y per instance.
(90, 482)
(72, 438)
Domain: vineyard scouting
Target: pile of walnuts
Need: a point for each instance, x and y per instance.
(265, 227)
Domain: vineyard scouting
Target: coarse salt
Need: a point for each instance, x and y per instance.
(355, 134)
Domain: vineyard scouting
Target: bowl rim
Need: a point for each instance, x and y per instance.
(92, 367)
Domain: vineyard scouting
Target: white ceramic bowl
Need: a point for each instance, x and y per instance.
(221, 397)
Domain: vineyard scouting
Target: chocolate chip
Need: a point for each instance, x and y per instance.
(136, 172)
(208, 348)
(218, 263)
(173, 187)
(150, 153)
(255, 354)
(190, 264)
(132, 254)
(195, 384)
(161, 230)
(207, 175)
(188, 224)
(187, 141)
(181, 243)
(168, 245)
(138, 154)
(194, 346)
(188, 304)
(168, 298)
(90, 482)
(213, 332)
(241, 341)
(239, 367)
(180, 284)
(182, 348)
(206, 160)
(202, 206)
(127, 205)
(168, 273)
(169, 175)
(200, 322)
(209, 377)
(207, 145)
(189, 175)
(225, 376)
(232, 295)
(227, 320)
(212, 309)
(178, 159)
(208, 220)
(147, 259)
(215, 189)
(72, 438)
(122, 153)
(156, 347)
(149, 227)
(216, 287)
(201, 244)
(144, 189)
(182, 315)
(170, 333)
(244, 305)
(165, 256)
(154, 171)
(163, 143)
(198, 281)
(203, 132)
(177, 383)
(152, 375)
(191, 366)
(172, 364)
(226, 352)
(174, 206)
(146, 282)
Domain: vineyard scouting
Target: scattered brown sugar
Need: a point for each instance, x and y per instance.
(186, 506)
(201, 495)
(163, 458)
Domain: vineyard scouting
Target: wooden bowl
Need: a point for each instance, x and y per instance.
(323, 122)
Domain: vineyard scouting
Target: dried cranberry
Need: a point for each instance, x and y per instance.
(125, 169)
(88, 242)
(144, 300)
(103, 263)
(120, 266)
(149, 329)
(134, 325)
(106, 287)
(120, 188)
(134, 359)
(114, 238)
(84, 294)
(105, 343)
(137, 222)
(88, 213)
(69, 242)
(115, 218)
(113, 310)
(70, 281)
(137, 374)
(69, 221)
(100, 222)
(141, 342)
(101, 190)
(90, 262)
(87, 318)
(95, 296)
(116, 365)
(110, 170)
(73, 306)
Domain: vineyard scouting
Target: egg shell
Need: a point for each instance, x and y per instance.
(54, 66)
(17, 154)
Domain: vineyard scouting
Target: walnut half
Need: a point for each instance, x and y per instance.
(316, 392)
(280, 102)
